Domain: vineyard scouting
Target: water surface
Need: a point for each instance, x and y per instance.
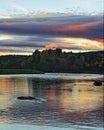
(62, 101)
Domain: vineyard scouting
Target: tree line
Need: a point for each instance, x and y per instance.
(55, 60)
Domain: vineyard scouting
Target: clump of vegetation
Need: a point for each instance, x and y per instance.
(53, 61)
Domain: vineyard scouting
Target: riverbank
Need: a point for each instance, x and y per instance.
(20, 71)
(33, 71)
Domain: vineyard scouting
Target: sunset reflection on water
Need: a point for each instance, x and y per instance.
(10, 87)
(82, 97)
(71, 100)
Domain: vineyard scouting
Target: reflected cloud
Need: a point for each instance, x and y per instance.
(81, 97)
(85, 97)
(52, 96)
(8, 87)
(68, 100)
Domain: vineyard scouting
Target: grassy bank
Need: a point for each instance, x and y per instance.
(19, 71)
(33, 71)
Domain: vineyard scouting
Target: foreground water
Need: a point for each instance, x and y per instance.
(63, 101)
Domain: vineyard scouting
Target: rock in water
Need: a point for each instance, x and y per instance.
(26, 98)
(97, 83)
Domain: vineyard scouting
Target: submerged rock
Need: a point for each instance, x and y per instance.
(26, 98)
(97, 83)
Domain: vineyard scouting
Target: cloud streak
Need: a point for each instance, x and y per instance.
(79, 26)
(80, 43)
(66, 32)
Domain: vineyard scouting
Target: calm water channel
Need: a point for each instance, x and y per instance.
(68, 101)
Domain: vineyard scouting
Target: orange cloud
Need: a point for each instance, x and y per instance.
(79, 27)
(52, 45)
(101, 41)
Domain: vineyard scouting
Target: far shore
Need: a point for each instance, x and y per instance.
(33, 71)
(19, 71)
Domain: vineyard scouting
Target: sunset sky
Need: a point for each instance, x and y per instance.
(73, 25)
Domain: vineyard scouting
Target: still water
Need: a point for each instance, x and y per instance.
(62, 101)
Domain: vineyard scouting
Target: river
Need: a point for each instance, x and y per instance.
(63, 102)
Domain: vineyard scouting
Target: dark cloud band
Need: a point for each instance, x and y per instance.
(55, 27)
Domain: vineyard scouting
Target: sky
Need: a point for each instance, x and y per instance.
(72, 25)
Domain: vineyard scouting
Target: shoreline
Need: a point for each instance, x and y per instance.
(33, 71)
(57, 77)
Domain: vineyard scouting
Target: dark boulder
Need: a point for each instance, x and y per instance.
(97, 83)
(26, 98)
